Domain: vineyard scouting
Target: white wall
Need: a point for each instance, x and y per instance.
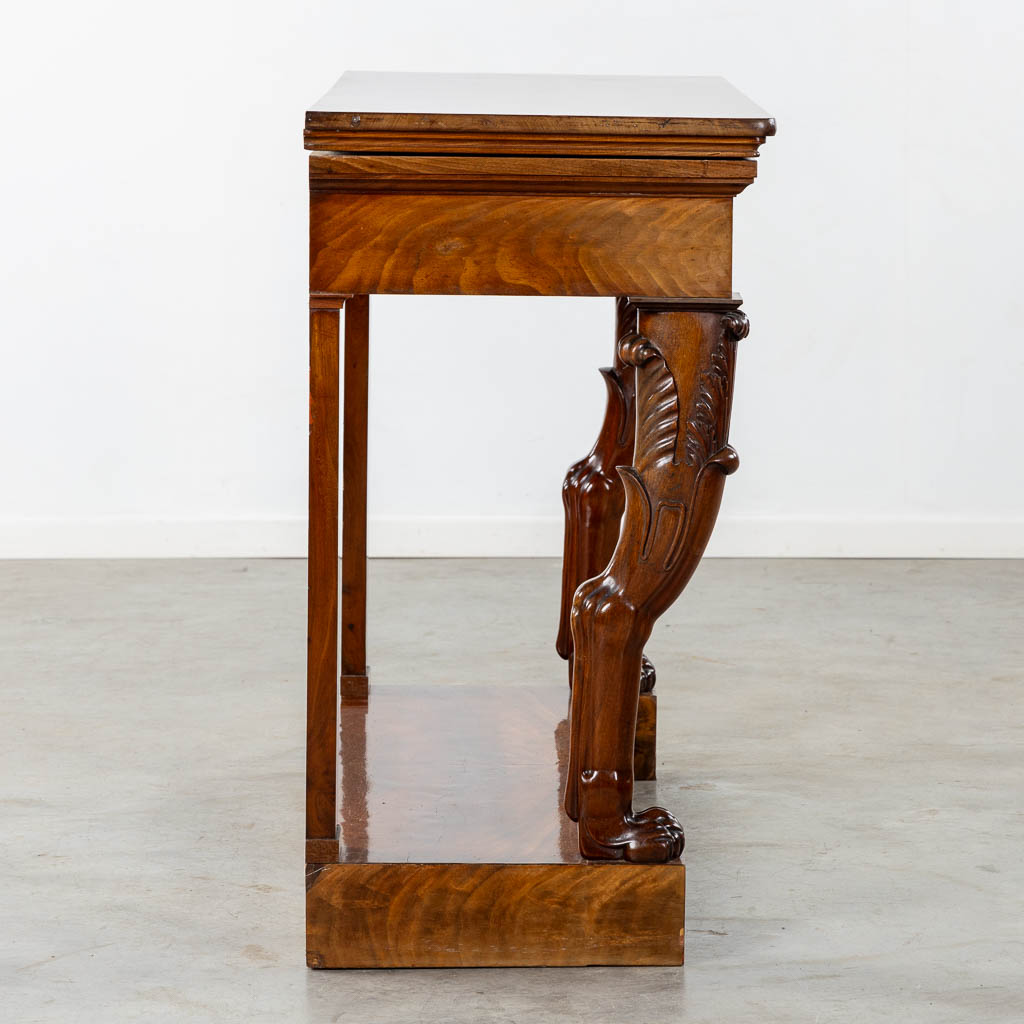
(152, 316)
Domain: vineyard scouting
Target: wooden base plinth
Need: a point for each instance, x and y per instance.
(455, 851)
(494, 915)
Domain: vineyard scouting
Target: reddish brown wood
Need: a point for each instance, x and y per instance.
(387, 172)
(529, 144)
(645, 745)
(354, 810)
(592, 493)
(322, 851)
(327, 300)
(357, 687)
(520, 244)
(561, 188)
(442, 774)
(593, 498)
(684, 368)
(322, 636)
(455, 850)
(353, 535)
(375, 125)
(494, 915)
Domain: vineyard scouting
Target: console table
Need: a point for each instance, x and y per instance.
(444, 845)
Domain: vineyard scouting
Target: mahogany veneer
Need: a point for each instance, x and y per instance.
(519, 245)
(457, 853)
(487, 828)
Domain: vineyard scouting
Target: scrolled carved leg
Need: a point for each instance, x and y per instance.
(592, 493)
(683, 354)
(593, 498)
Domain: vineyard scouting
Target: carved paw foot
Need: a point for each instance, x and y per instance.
(650, 837)
(656, 814)
(609, 830)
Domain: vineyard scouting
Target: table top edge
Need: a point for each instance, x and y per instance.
(696, 106)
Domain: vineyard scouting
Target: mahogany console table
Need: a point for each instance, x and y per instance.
(519, 846)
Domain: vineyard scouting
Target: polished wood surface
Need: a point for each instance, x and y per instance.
(353, 529)
(501, 751)
(593, 499)
(592, 494)
(495, 915)
(621, 104)
(457, 774)
(322, 620)
(451, 845)
(645, 745)
(684, 361)
(520, 245)
(457, 852)
(527, 144)
(555, 175)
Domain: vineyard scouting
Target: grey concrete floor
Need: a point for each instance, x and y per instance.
(843, 738)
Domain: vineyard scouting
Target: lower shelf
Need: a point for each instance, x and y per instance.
(455, 852)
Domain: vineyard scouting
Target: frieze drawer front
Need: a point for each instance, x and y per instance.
(520, 245)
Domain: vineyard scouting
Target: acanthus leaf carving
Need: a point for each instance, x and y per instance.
(671, 501)
(703, 428)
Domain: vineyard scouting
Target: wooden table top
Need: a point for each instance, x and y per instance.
(368, 101)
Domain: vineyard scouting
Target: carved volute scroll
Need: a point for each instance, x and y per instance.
(592, 494)
(684, 360)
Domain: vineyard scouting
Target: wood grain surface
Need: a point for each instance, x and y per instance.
(353, 517)
(455, 850)
(520, 245)
(645, 744)
(549, 143)
(494, 915)
(470, 774)
(684, 361)
(537, 175)
(322, 628)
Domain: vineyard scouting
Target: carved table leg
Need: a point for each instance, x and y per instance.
(684, 354)
(354, 677)
(592, 493)
(594, 499)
